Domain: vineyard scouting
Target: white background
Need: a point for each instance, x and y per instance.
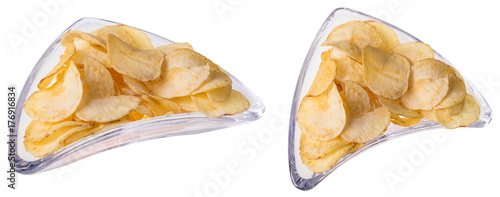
(263, 43)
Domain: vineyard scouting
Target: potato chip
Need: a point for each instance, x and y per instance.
(143, 65)
(324, 78)
(414, 51)
(387, 35)
(313, 149)
(217, 79)
(406, 121)
(454, 109)
(136, 85)
(133, 116)
(37, 131)
(322, 117)
(468, 116)
(328, 161)
(107, 109)
(169, 48)
(58, 101)
(186, 103)
(356, 100)
(396, 107)
(219, 94)
(236, 103)
(97, 79)
(114, 30)
(348, 48)
(69, 37)
(186, 70)
(142, 109)
(85, 50)
(69, 51)
(160, 106)
(52, 142)
(139, 39)
(386, 73)
(347, 69)
(425, 94)
(356, 32)
(456, 93)
(78, 135)
(430, 69)
(367, 127)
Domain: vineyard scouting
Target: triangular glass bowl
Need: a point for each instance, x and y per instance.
(301, 177)
(137, 131)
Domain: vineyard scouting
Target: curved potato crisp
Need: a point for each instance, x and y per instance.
(143, 65)
(468, 116)
(322, 117)
(52, 142)
(357, 100)
(217, 79)
(236, 103)
(313, 149)
(85, 50)
(160, 106)
(456, 93)
(396, 107)
(356, 32)
(139, 39)
(367, 127)
(348, 48)
(425, 94)
(386, 73)
(404, 122)
(414, 51)
(107, 109)
(388, 36)
(347, 69)
(186, 103)
(169, 48)
(219, 94)
(114, 30)
(97, 79)
(69, 51)
(72, 35)
(37, 131)
(58, 101)
(329, 160)
(324, 77)
(186, 70)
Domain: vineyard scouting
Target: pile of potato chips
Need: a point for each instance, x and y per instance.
(368, 79)
(114, 75)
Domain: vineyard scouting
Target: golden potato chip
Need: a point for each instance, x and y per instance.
(324, 78)
(144, 110)
(166, 49)
(328, 161)
(37, 131)
(356, 100)
(406, 121)
(69, 37)
(367, 127)
(114, 30)
(52, 142)
(348, 48)
(186, 103)
(139, 39)
(468, 116)
(454, 109)
(425, 94)
(133, 116)
(356, 32)
(186, 70)
(236, 103)
(386, 73)
(322, 117)
(313, 149)
(430, 69)
(456, 93)
(219, 94)
(396, 107)
(347, 69)
(69, 51)
(143, 65)
(107, 109)
(160, 106)
(84, 50)
(136, 85)
(78, 135)
(388, 36)
(217, 79)
(414, 51)
(97, 79)
(58, 101)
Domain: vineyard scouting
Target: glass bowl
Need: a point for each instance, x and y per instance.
(137, 131)
(301, 177)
